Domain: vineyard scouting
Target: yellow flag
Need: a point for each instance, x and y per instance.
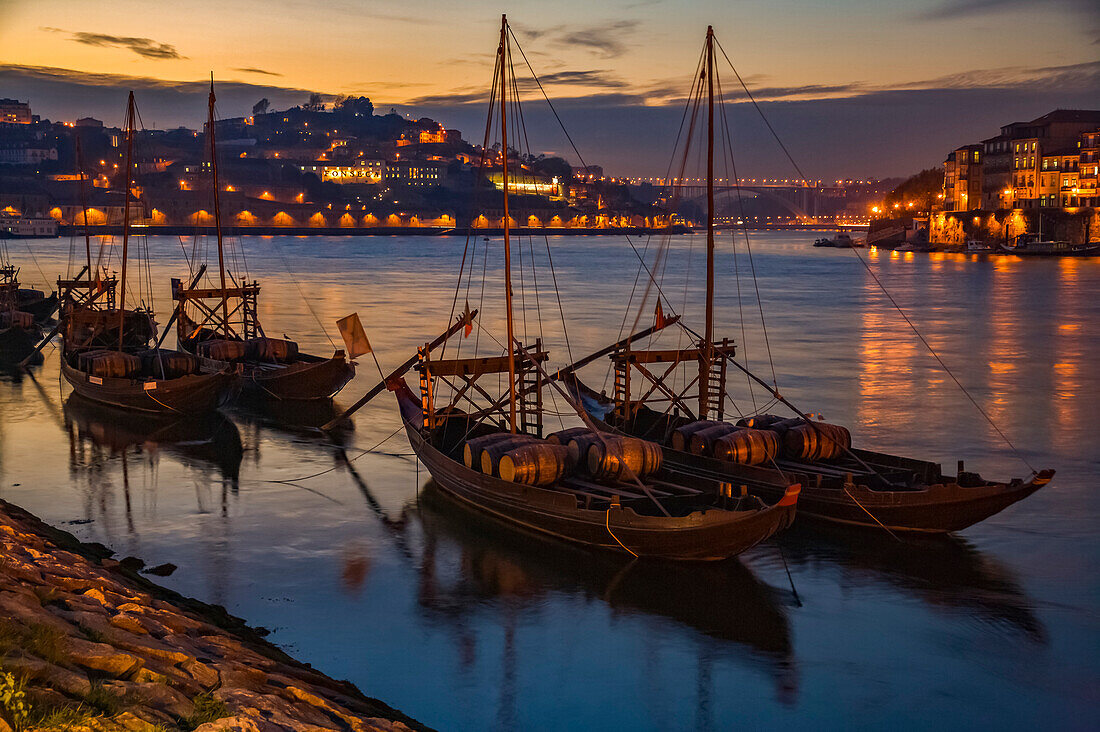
(355, 338)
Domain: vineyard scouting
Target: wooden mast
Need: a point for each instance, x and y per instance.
(217, 209)
(84, 209)
(126, 217)
(708, 333)
(507, 243)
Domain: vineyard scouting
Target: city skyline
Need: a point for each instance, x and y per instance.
(843, 95)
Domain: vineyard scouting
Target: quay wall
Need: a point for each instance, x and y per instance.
(953, 228)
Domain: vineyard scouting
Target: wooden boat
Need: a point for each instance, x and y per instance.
(1033, 245)
(19, 331)
(840, 484)
(611, 494)
(106, 355)
(294, 376)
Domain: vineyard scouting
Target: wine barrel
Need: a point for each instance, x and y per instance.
(746, 446)
(536, 463)
(822, 441)
(16, 319)
(174, 363)
(272, 350)
(471, 450)
(221, 349)
(681, 436)
(110, 364)
(562, 437)
(579, 443)
(491, 452)
(623, 458)
(702, 442)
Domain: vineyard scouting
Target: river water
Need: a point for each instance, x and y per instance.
(366, 572)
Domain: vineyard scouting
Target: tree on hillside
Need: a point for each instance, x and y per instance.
(261, 106)
(922, 190)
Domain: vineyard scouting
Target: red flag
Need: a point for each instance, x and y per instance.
(659, 317)
(468, 319)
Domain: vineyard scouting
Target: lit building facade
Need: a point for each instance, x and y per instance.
(14, 112)
(962, 179)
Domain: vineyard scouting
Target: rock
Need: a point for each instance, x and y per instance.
(128, 623)
(102, 657)
(132, 563)
(201, 673)
(236, 724)
(133, 723)
(5, 728)
(109, 563)
(162, 570)
(157, 696)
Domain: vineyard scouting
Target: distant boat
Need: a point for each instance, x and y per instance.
(977, 246)
(842, 240)
(13, 226)
(1032, 245)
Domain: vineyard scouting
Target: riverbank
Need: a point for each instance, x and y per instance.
(86, 642)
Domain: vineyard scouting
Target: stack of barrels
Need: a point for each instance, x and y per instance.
(516, 458)
(609, 457)
(722, 440)
(221, 349)
(529, 460)
(801, 441)
(109, 364)
(272, 350)
(162, 364)
(16, 319)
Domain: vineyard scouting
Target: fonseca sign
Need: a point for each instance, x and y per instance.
(348, 174)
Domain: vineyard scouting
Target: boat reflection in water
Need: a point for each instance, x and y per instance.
(300, 421)
(468, 559)
(946, 573)
(98, 434)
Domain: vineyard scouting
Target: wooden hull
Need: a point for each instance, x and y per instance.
(187, 395)
(311, 378)
(937, 507)
(703, 535)
(18, 343)
(41, 308)
(308, 378)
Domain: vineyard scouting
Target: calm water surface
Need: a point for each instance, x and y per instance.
(369, 574)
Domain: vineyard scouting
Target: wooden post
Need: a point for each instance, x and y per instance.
(507, 244)
(126, 216)
(217, 209)
(708, 333)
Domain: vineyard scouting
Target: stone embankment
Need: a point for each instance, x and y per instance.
(87, 643)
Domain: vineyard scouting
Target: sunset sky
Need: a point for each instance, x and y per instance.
(860, 87)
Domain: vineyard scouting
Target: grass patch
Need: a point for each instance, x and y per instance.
(37, 639)
(104, 700)
(92, 634)
(207, 709)
(62, 718)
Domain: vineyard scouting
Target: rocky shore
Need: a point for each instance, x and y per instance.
(88, 643)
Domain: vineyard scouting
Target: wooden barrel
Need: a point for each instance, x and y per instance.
(562, 437)
(623, 458)
(822, 441)
(536, 463)
(491, 452)
(702, 442)
(681, 436)
(471, 450)
(221, 349)
(174, 364)
(579, 443)
(747, 446)
(16, 319)
(272, 350)
(759, 421)
(111, 364)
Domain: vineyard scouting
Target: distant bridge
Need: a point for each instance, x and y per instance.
(799, 200)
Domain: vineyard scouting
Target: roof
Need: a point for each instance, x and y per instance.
(1068, 115)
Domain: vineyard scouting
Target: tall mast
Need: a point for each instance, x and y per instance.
(217, 209)
(507, 244)
(708, 333)
(126, 216)
(84, 209)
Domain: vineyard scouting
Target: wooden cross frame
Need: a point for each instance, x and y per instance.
(462, 374)
(711, 377)
(245, 327)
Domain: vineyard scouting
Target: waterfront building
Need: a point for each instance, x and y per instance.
(1012, 172)
(12, 111)
(962, 180)
(416, 172)
(1089, 168)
